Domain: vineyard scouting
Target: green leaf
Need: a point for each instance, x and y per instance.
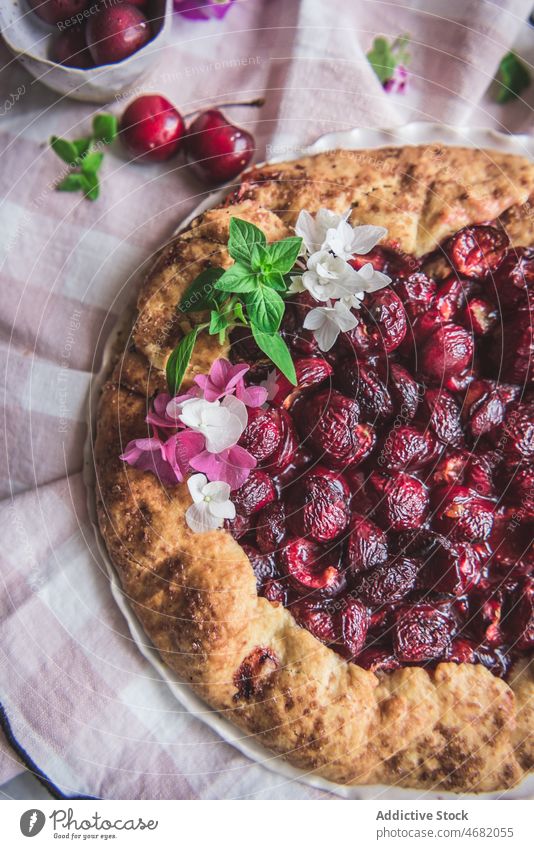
(91, 162)
(201, 294)
(218, 321)
(283, 254)
(243, 237)
(179, 360)
(239, 315)
(274, 280)
(276, 349)
(105, 127)
(237, 278)
(265, 309)
(71, 183)
(259, 258)
(64, 149)
(82, 146)
(91, 185)
(381, 59)
(513, 77)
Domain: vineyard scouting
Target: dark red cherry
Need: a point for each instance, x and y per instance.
(151, 128)
(114, 33)
(70, 48)
(217, 149)
(54, 11)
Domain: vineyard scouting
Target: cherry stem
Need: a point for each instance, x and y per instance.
(259, 101)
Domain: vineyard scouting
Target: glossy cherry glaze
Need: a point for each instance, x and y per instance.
(392, 509)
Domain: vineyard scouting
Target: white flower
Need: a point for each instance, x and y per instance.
(211, 504)
(345, 241)
(328, 277)
(327, 323)
(372, 280)
(313, 230)
(270, 384)
(220, 422)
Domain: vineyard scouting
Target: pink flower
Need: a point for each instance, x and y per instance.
(166, 410)
(150, 455)
(202, 10)
(225, 379)
(397, 83)
(231, 466)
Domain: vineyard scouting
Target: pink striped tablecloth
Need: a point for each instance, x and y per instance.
(80, 700)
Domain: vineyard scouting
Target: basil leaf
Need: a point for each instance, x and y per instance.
(64, 149)
(382, 60)
(71, 183)
(201, 294)
(274, 280)
(91, 185)
(105, 127)
(259, 258)
(237, 278)
(276, 349)
(283, 254)
(243, 237)
(238, 312)
(91, 162)
(218, 322)
(513, 77)
(179, 360)
(265, 309)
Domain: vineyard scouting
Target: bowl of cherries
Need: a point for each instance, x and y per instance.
(86, 49)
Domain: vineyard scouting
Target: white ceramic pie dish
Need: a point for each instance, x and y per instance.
(29, 39)
(415, 133)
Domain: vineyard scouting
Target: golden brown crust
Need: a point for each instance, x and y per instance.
(455, 728)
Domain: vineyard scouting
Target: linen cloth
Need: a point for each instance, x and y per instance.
(81, 700)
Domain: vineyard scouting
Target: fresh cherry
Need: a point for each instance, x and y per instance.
(217, 149)
(116, 32)
(55, 11)
(151, 128)
(70, 48)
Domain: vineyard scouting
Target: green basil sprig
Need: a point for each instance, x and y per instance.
(248, 294)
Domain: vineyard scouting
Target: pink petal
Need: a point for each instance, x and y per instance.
(231, 466)
(147, 455)
(252, 396)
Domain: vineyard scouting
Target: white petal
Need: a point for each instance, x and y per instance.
(296, 284)
(373, 280)
(315, 318)
(343, 317)
(222, 509)
(195, 485)
(200, 519)
(237, 408)
(193, 411)
(365, 237)
(326, 335)
(217, 490)
(309, 231)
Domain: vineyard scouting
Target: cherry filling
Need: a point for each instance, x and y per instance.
(392, 507)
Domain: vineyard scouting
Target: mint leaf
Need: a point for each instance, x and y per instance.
(201, 294)
(105, 127)
(64, 149)
(381, 59)
(237, 278)
(276, 349)
(91, 162)
(283, 254)
(243, 237)
(218, 322)
(179, 360)
(265, 309)
(239, 315)
(274, 280)
(513, 77)
(71, 183)
(82, 146)
(91, 185)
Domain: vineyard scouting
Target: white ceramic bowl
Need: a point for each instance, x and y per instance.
(29, 39)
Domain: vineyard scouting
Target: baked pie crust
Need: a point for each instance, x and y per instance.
(456, 727)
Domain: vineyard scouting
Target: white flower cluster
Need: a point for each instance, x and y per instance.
(330, 241)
